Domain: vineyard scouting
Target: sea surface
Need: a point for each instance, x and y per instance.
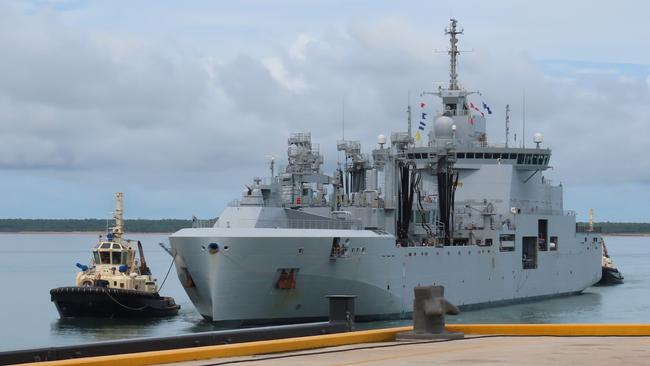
(32, 264)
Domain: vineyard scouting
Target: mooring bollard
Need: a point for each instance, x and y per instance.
(342, 309)
(429, 310)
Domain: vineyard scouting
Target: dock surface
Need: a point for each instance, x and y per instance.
(489, 350)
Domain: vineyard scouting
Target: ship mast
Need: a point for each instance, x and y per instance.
(452, 30)
(118, 229)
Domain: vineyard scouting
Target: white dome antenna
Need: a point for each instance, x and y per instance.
(381, 140)
(538, 138)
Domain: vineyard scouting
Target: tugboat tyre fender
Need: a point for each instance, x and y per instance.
(88, 283)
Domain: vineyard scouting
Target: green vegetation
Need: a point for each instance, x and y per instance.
(67, 225)
(172, 225)
(623, 227)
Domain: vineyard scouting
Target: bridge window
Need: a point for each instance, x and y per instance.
(105, 257)
(117, 258)
(460, 155)
(479, 155)
(488, 156)
(520, 159)
(470, 155)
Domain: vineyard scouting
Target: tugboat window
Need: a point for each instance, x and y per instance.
(117, 257)
(116, 246)
(105, 257)
(106, 245)
(96, 257)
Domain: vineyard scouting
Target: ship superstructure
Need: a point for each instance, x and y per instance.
(452, 209)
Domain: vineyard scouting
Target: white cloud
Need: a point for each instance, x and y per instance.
(171, 119)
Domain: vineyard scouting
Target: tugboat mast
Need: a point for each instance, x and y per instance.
(118, 229)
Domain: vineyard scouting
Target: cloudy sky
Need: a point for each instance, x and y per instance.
(177, 103)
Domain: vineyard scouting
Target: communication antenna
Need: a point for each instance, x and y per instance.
(523, 134)
(507, 123)
(408, 113)
(343, 120)
(272, 164)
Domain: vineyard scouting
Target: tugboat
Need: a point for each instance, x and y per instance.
(115, 284)
(611, 274)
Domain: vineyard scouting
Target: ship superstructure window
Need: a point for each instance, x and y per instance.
(507, 242)
(513, 156)
(96, 256)
(542, 235)
(488, 156)
(470, 155)
(479, 155)
(106, 245)
(460, 155)
(117, 258)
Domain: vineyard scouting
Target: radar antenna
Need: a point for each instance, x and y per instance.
(453, 31)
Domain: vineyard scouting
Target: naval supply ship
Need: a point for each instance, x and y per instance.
(444, 207)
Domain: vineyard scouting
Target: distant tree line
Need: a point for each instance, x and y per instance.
(67, 225)
(623, 227)
(172, 225)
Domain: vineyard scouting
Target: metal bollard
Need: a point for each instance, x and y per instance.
(429, 310)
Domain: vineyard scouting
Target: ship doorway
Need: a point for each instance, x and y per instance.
(542, 234)
(529, 252)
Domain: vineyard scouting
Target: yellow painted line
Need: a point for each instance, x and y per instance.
(233, 350)
(553, 329)
(331, 340)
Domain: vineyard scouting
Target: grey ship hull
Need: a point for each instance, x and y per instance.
(239, 285)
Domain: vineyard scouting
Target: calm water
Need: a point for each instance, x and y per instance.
(32, 264)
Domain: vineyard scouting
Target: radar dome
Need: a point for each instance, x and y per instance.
(381, 139)
(443, 127)
(538, 138)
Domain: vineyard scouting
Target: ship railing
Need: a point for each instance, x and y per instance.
(586, 228)
(353, 224)
(202, 223)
